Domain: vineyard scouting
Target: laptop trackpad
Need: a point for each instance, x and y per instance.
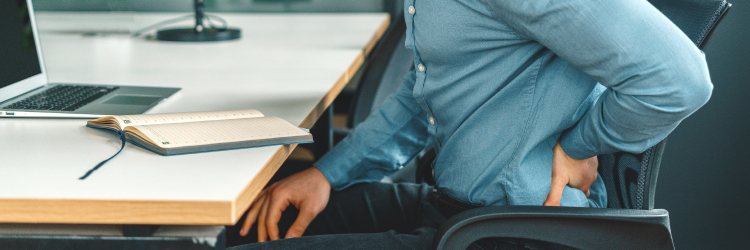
(133, 100)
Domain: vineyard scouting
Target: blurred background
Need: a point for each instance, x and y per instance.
(219, 5)
(703, 181)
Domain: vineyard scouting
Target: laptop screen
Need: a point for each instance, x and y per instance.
(18, 57)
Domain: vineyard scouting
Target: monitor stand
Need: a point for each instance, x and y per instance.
(198, 33)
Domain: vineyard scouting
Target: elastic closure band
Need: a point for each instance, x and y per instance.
(122, 138)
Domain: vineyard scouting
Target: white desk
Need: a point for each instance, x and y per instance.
(286, 65)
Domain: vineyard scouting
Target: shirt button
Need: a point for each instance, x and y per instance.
(420, 67)
(432, 121)
(411, 10)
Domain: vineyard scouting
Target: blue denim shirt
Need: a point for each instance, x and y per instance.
(499, 82)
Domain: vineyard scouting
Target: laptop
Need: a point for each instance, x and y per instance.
(25, 91)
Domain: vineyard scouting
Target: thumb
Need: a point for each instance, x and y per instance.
(555, 193)
(303, 220)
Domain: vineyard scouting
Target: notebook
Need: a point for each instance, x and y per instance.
(193, 132)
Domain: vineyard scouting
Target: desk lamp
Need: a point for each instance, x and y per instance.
(198, 33)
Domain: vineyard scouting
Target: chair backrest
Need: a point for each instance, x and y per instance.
(390, 62)
(630, 179)
(696, 18)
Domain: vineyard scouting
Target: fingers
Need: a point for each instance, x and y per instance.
(579, 174)
(593, 164)
(308, 190)
(306, 215)
(262, 233)
(252, 215)
(585, 188)
(555, 194)
(276, 206)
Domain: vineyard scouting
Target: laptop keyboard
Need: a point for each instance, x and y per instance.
(62, 98)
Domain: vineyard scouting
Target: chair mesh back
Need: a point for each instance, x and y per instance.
(696, 18)
(379, 68)
(630, 179)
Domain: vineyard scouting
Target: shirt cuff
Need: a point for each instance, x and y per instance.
(573, 143)
(336, 166)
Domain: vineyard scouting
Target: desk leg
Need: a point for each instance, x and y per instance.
(323, 133)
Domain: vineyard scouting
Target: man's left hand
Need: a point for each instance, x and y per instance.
(575, 173)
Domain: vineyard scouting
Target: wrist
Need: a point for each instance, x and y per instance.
(558, 149)
(319, 176)
(572, 143)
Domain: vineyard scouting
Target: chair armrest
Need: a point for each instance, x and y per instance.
(583, 228)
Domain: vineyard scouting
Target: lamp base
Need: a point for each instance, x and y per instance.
(190, 35)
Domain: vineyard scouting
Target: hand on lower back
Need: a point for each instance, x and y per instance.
(575, 173)
(308, 190)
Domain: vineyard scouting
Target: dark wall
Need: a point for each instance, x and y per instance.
(703, 181)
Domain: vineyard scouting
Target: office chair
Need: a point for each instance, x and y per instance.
(389, 63)
(630, 221)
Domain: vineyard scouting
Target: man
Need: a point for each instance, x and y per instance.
(518, 96)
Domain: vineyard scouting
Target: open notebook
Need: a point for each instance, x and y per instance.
(182, 133)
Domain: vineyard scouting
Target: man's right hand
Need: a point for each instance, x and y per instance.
(568, 171)
(308, 190)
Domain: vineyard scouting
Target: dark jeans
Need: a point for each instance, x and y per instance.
(367, 216)
(363, 216)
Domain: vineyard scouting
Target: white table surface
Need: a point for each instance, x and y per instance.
(284, 65)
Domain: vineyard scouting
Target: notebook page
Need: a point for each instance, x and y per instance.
(221, 131)
(133, 120)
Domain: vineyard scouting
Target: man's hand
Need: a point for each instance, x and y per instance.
(575, 173)
(308, 190)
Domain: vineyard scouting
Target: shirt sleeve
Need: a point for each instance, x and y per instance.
(387, 139)
(655, 76)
